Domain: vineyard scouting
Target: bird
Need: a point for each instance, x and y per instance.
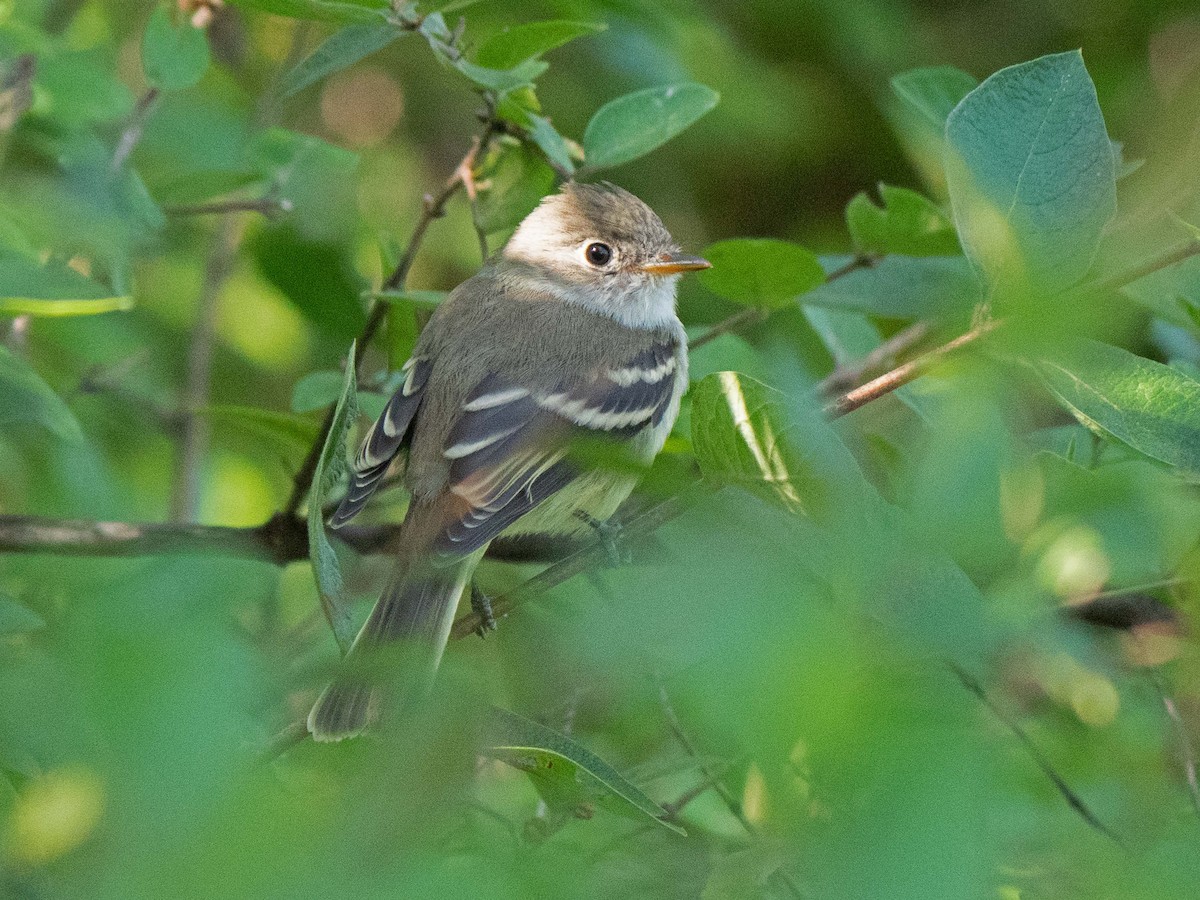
(568, 333)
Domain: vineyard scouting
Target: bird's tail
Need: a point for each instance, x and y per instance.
(414, 615)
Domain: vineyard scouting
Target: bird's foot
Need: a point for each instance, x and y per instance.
(608, 533)
(481, 605)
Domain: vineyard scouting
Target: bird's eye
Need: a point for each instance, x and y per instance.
(598, 254)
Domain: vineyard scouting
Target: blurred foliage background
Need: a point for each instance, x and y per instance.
(877, 696)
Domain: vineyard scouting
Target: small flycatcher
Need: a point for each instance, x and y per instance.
(570, 331)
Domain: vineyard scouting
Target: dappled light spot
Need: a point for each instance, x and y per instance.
(53, 815)
(361, 107)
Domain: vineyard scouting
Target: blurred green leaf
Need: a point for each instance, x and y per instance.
(512, 46)
(908, 223)
(738, 437)
(933, 91)
(1151, 407)
(53, 289)
(1030, 173)
(18, 619)
(79, 90)
(566, 774)
(316, 390)
(517, 179)
(331, 465)
(25, 398)
(633, 125)
(544, 135)
(315, 277)
(762, 272)
(502, 81)
(339, 11)
(292, 431)
(340, 50)
(903, 287)
(173, 57)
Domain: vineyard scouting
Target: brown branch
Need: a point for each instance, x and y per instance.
(434, 207)
(902, 375)
(845, 377)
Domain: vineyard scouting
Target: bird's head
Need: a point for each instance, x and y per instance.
(601, 247)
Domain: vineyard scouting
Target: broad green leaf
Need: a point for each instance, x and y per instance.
(340, 51)
(762, 272)
(633, 125)
(934, 91)
(290, 430)
(330, 466)
(26, 399)
(1030, 172)
(515, 45)
(344, 12)
(316, 390)
(52, 289)
(16, 618)
(903, 287)
(737, 434)
(908, 223)
(566, 774)
(1151, 407)
(174, 56)
(1172, 293)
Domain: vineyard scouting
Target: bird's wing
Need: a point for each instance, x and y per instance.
(385, 440)
(508, 449)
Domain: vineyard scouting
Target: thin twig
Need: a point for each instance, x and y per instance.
(754, 314)
(267, 206)
(434, 207)
(731, 802)
(845, 377)
(1171, 257)
(1073, 800)
(902, 375)
(133, 130)
(185, 490)
(1187, 751)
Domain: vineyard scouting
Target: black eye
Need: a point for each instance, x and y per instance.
(598, 254)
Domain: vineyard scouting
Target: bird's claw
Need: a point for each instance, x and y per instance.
(608, 533)
(481, 605)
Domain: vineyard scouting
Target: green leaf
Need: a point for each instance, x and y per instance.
(33, 306)
(427, 300)
(908, 223)
(934, 91)
(737, 436)
(633, 125)
(903, 287)
(340, 51)
(316, 390)
(330, 467)
(566, 774)
(516, 181)
(289, 430)
(544, 135)
(343, 12)
(502, 81)
(16, 618)
(1030, 173)
(1151, 407)
(53, 289)
(762, 272)
(513, 46)
(173, 57)
(25, 398)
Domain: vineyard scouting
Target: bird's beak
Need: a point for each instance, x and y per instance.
(674, 263)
